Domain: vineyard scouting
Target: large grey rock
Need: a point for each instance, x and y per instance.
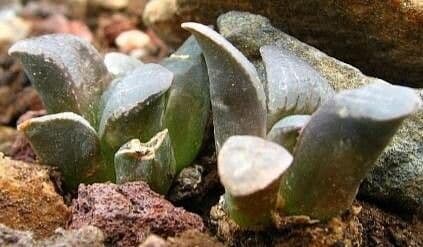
(383, 38)
(397, 178)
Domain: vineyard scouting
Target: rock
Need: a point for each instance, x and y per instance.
(13, 27)
(161, 16)
(128, 213)
(133, 40)
(109, 27)
(46, 8)
(397, 178)
(15, 97)
(28, 200)
(61, 24)
(187, 183)
(8, 136)
(87, 236)
(186, 239)
(154, 241)
(21, 149)
(197, 188)
(15, 238)
(15, 102)
(111, 4)
(137, 7)
(384, 37)
(193, 239)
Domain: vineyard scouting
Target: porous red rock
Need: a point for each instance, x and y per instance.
(128, 213)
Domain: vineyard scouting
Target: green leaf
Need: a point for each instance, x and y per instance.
(292, 85)
(119, 64)
(286, 131)
(152, 162)
(67, 71)
(237, 96)
(340, 145)
(250, 169)
(134, 105)
(190, 88)
(68, 141)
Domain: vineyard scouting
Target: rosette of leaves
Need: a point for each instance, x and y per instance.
(332, 150)
(97, 106)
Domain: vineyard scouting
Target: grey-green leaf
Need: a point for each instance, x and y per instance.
(133, 107)
(340, 145)
(188, 104)
(292, 85)
(286, 131)
(250, 169)
(152, 162)
(119, 64)
(67, 71)
(68, 141)
(237, 96)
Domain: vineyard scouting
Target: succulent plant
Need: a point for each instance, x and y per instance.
(286, 131)
(237, 96)
(122, 120)
(96, 107)
(344, 136)
(152, 162)
(251, 168)
(292, 85)
(333, 149)
(188, 104)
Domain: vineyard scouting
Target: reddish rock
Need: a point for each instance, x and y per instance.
(128, 213)
(21, 149)
(61, 24)
(109, 27)
(15, 97)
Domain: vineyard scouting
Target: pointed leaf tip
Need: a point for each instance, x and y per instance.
(68, 141)
(340, 145)
(68, 73)
(237, 95)
(292, 85)
(190, 88)
(134, 103)
(379, 101)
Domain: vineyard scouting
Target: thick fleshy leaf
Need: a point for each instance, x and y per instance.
(237, 96)
(134, 105)
(250, 169)
(152, 162)
(286, 131)
(68, 141)
(292, 85)
(67, 71)
(190, 88)
(119, 64)
(340, 145)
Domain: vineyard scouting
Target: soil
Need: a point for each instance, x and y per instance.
(381, 228)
